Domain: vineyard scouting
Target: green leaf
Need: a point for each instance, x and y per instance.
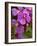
(28, 32)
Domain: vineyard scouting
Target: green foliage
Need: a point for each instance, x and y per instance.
(28, 32)
(13, 32)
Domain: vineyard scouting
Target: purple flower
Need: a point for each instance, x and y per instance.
(20, 29)
(24, 17)
(20, 18)
(19, 32)
(25, 12)
(15, 11)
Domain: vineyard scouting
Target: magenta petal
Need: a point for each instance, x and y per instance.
(21, 19)
(14, 11)
(29, 8)
(20, 8)
(25, 12)
(28, 19)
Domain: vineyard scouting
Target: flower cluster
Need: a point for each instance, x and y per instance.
(24, 18)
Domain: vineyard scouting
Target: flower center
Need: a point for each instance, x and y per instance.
(23, 16)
